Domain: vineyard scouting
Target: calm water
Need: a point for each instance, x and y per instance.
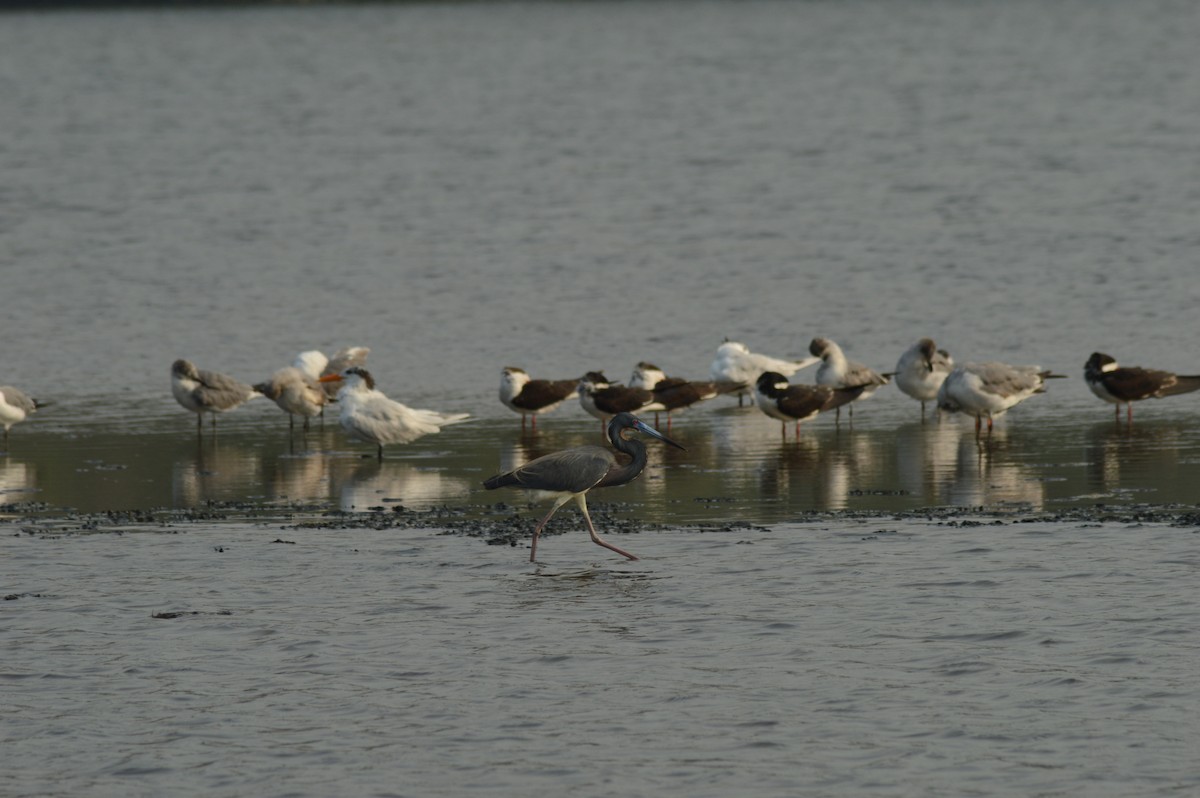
(567, 187)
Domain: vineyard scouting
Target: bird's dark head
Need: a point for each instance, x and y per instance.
(350, 375)
(624, 421)
(820, 347)
(771, 384)
(928, 349)
(185, 368)
(1099, 363)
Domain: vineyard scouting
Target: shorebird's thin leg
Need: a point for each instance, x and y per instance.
(1129, 409)
(537, 530)
(989, 425)
(532, 423)
(581, 500)
(978, 423)
(380, 452)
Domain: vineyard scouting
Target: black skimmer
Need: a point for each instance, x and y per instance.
(1124, 386)
(521, 394)
(797, 403)
(676, 393)
(604, 399)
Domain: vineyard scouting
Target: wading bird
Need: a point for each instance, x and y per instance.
(991, 388)
(736, 363)
(798, 403)
(922, 369)
(316, 364)
(604, 400)
(296, 393)
(203, 391)
(521, 394)
(838, 372)
(571, 473)
(15, 406)
(1124, 386)
(368, 415)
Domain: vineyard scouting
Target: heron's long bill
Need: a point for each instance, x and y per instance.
(642, 426)
(330, 378)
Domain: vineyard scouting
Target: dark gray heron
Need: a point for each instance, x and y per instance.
(571, 473)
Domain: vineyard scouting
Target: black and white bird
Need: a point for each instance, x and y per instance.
(735, 363)
(202, 391)
(921, 371)
(522, 394)
(368, 415)
(15, 407)
(1126, 385)
(837, 371)
(676, 393)
(796, 403)
(604, 399)
(568, 475)
(989, 389)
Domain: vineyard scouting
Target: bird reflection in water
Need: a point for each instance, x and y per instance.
(217, 470)
(985, 475)
(16, 477)
(372, 483)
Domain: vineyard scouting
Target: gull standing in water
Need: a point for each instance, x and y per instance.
(296, 393)
(571, 473)
(368, 415)
(736, 363)
(1124, 386)
(15, 407)
(203, 391)
(521, 394)
(921, 371)
(990, 389)
(798, 403)
(838, 372)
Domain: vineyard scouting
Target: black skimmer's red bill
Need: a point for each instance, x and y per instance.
(922, 369)
(15, 407)
(1124, 386)
(775, 397)
(676, 393)
(521, 394)
(296, 393)
(202, 391)
(370, 416)
(735, 363)
(838, 372)
(604, 399)
(571, 473)
(989, 389)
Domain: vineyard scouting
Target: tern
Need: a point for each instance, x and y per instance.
(838, 372)
(736, 363)
(1124, 386)
(571, 473)
(922, 369)
(203, 391)
(521, 394)
(368, 415)
(15, 407)
(990, 389)
(316, 364)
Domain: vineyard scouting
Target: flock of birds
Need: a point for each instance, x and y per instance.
(924, 372)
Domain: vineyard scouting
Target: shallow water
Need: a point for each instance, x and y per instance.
(567, 187)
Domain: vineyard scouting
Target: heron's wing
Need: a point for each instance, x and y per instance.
(573, 470)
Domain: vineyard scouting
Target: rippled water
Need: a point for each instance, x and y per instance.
(567, 187)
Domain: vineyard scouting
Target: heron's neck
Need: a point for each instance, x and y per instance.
(628, 472)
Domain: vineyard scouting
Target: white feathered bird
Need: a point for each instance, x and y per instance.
(736, 363)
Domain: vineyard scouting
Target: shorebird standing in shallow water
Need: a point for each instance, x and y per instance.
(527, 396)
(603, 399)
(1124, 386)
(797, 403)
(15, 407)
(838, 372)
(921, 371)
(316, 364)
(368, 415)
(990, 389)
(202, 391)
(296, 393)
(571, 473)
(736, 363)
(676, 393)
